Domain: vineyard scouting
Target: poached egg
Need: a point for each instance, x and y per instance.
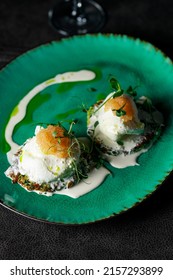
(47, 155)
(113, 119)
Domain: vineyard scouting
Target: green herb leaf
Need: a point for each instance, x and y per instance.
(96, 124)
(115, 84)
(54, 134)
(120, 113)
(59, 140)
(117, 94)
(131, 91)
(119, 142)
(117, 91)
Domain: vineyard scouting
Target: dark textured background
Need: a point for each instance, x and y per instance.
(144, 232)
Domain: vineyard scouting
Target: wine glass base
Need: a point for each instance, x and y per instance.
(91, 21)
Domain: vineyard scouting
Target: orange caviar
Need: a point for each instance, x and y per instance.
(52, 141)
(124, 102)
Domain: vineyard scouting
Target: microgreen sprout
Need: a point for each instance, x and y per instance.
(119, 142)
(116, 93)
(54, 134)
(70, 128)
(78, 171)
(84, 108)
(96, 124)
(115, 84)
(131, 91)
(120, 112)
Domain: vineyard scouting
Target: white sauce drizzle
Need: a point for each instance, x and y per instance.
(95, 177)
(123, 161)
(83, 75)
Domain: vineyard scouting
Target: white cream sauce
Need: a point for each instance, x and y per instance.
(83, 75)
(95, 177)
(122, 161)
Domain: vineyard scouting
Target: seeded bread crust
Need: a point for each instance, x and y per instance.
(67, 180)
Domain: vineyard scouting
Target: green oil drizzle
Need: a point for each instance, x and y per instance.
(98, 73)
(67, 114)
(67, 86)
(35, 103)
(49, 82)
(64, 87)
(15, 111)
(4, 146)
(101, 96)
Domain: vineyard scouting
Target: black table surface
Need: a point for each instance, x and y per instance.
(144, 232)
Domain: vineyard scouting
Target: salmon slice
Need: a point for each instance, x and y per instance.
(53, 141)
(124, 102)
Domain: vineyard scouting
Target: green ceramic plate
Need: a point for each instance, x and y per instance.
(133, 62)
